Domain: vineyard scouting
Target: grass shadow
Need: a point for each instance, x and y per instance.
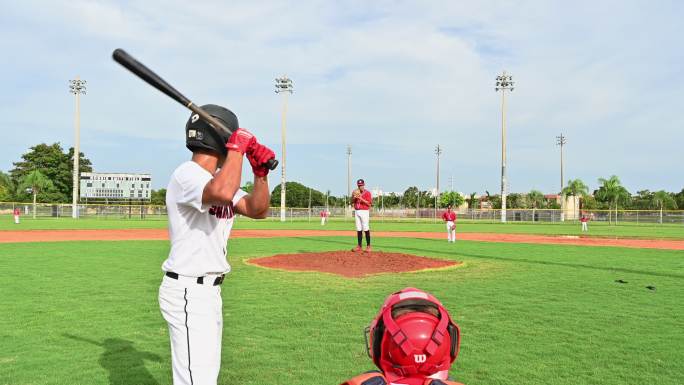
(123, 362)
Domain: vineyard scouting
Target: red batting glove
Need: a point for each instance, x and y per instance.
(258, 155)
(240, 141)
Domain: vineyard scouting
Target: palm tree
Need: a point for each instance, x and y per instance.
(575, 188)
(536, 199)
(612, 191)
(36, 181)
(662, 198)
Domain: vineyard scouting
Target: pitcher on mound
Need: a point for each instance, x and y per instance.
(362, 201)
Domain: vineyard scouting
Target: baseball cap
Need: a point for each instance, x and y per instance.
(360, 182)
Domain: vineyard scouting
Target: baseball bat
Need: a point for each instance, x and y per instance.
(151, 78)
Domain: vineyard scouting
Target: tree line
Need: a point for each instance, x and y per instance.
(44, 174)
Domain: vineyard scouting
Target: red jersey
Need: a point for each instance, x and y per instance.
(584, 219)
(449, 216)
(17, 211)
(359, 205)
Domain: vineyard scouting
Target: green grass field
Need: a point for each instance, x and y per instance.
(87, 313)
(597, 229)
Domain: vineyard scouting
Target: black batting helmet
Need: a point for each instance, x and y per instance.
(199, 135)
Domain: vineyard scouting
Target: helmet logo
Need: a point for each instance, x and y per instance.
(419, 358)
(194, 118)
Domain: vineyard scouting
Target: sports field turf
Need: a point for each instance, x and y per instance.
(87, 313)
(598, 229)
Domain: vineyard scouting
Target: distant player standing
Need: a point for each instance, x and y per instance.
(584, 220)
(324, 216)
(450, 218)
(17, 214)
(202, 198)
(362, 201)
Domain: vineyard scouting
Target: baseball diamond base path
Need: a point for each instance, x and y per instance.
(352, 265)
(162, 234)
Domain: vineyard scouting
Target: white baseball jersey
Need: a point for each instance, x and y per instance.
(199, 233)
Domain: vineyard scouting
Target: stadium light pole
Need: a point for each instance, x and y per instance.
(504, 82)
(349, 189)
(438, 152)
(283, 85)
(76, 87)
(561, 141)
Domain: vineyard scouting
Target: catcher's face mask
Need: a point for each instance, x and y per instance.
(413, 336)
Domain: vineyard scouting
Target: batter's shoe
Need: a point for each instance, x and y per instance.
(368, 249)
(356, 249)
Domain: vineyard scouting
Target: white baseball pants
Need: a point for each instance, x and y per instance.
(451, 231)
(362, 220)
(195, 318)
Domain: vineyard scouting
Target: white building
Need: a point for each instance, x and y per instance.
(97, 185)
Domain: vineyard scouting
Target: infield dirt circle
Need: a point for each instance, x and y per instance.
(352, 265)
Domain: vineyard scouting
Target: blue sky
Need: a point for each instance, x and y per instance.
(390, 78)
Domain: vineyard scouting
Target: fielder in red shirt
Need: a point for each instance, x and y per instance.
(17, 213)
(362, 201)
(450, 218)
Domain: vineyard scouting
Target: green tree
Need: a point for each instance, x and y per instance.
(535, 199)
(643, 200)
(297, 195)
(663, 199)
(516, 201)
(410, 197)
(575, 188)
(53, 163)
(589, 203)
(451, 198)
(679, 199)
(36, 181)
(248, 187)
(158, 197)
(613, 193)
(7, 188)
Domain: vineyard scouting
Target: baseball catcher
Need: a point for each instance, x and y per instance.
(412, 340)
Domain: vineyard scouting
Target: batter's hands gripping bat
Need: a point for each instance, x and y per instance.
(146, 74)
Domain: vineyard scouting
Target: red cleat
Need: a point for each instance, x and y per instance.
(368, 249)
(356, 249)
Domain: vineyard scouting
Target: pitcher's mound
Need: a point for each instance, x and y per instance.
(352, 265)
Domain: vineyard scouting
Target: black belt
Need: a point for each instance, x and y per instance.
(200, 280)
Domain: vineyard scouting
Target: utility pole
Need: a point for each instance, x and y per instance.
(504, 82)
(283, 85)
(76, 87)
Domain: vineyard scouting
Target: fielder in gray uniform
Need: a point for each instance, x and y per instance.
(202, 199)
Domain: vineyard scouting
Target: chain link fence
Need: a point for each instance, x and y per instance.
(153, 212)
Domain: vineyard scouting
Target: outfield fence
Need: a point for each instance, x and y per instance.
(154, 212)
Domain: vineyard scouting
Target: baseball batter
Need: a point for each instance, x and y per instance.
(362, 201)
(202, 199)
(450, 218)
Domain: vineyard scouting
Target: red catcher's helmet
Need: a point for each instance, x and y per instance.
(413, 337)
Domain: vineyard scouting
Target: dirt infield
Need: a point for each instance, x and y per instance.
(162, 234)
(352, 265)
